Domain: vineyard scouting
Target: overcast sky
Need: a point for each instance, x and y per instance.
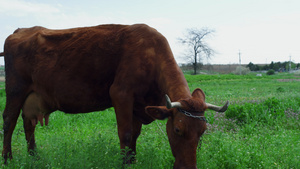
(263, 30)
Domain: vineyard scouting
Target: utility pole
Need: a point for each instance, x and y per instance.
(240, 62)
(290, 64)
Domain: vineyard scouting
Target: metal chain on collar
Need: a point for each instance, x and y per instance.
(191, 115)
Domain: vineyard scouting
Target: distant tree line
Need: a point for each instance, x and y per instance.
(190, 66)
(277, 66)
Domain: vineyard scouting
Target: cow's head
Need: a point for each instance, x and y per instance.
(186, 123)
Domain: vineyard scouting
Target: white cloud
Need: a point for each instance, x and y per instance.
(23, 8)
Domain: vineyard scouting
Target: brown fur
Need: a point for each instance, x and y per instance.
(88, 69)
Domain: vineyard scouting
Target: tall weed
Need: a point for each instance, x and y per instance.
(269, 112)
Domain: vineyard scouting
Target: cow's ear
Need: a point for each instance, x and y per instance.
(198, 93)
(158, 112)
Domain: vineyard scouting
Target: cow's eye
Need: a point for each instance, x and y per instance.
(178, 131)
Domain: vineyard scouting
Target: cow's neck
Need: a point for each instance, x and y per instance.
(173, 81)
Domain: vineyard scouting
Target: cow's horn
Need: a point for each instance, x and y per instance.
(172, 104)
(218, 108)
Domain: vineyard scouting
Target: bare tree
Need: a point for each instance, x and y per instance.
(195, 41)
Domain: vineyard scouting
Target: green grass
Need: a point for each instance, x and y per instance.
(261, 129)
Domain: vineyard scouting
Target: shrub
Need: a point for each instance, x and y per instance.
(270, 72)
(265, 112)
(237, 112)
(274, 106)
(297, 72)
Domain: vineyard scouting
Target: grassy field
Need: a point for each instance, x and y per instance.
(261, 129)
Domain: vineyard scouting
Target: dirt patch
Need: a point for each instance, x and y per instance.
(288, 80)
(2, 79)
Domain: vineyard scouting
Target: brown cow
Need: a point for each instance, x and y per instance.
(93, 68)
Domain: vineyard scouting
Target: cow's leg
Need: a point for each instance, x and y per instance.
(31, 110)
(136, 131)
(123, 104)
(125, 132)
(10, 117)
(29, 134)
(16, 92)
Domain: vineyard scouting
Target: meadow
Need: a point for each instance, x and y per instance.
(261, 129)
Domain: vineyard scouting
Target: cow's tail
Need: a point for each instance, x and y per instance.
(1, 54)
